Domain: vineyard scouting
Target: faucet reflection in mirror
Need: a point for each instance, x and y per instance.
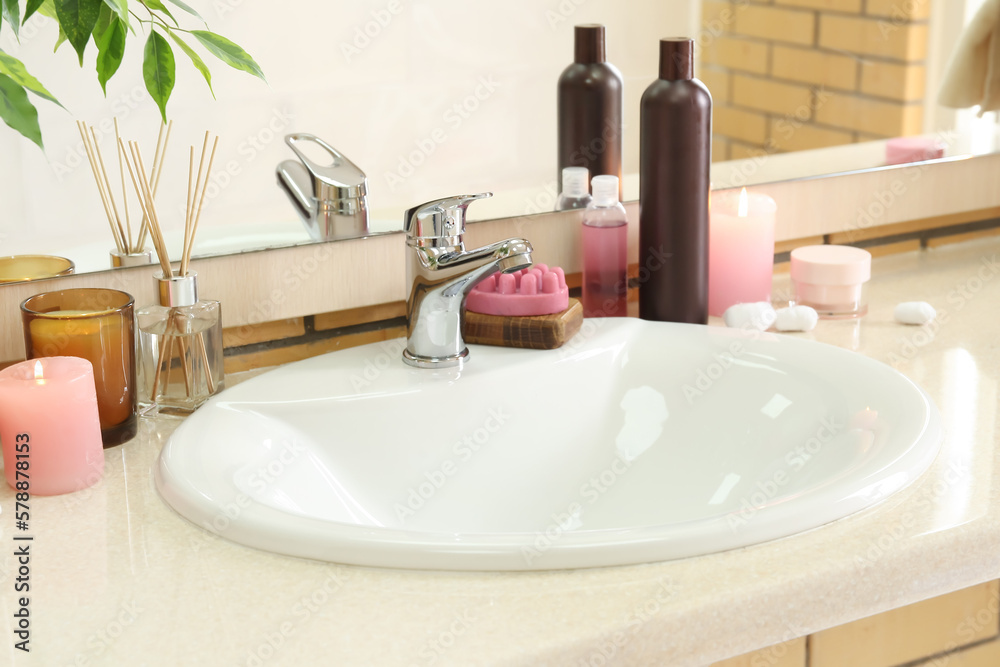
(332, 199)
(440, 273)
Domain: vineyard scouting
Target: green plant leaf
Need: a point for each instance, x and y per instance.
(160, 7)
(12, 13)
(119, 7)
(14, 68)
(228, 52)
(158, 70)
(110, 50)
(196, 59)
(59, 40)
(17, 111)
(31, 8)
(188, 8)
(77, 19)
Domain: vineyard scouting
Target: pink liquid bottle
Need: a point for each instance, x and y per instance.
(605, 244)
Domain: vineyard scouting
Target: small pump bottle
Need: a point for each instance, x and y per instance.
(576, 192)
(605, 259)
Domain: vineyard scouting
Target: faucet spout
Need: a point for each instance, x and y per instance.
(441, 278)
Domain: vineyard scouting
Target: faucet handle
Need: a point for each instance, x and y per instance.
(440, 218)
(339, 179)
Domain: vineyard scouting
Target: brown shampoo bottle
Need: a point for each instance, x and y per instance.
(675, 152)
(590, 109)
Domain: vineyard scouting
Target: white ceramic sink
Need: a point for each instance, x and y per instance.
(635, 442)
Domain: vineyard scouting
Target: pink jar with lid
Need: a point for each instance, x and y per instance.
(831, 278)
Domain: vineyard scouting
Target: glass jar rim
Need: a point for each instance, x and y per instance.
(121, 301)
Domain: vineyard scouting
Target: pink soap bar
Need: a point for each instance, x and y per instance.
(902, 150)
(535, 291)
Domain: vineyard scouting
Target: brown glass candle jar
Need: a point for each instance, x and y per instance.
(96, 325)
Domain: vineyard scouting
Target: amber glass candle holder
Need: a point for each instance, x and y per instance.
(96, 325)
(18, 268)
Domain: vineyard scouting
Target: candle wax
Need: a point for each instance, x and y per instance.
(49, 426)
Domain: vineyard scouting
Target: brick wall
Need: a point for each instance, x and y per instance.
(790, 75)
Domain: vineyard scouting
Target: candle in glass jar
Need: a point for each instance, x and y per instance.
(96, 325)
(98, 339)
(49, 426)
(740, 249)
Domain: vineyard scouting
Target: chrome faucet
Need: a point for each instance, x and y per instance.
(332, 199)
(440, 274)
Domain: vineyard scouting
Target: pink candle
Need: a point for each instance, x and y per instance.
(49, 426)
(740, 249)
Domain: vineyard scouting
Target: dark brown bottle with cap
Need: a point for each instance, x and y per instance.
(590, 108)
(675, 155)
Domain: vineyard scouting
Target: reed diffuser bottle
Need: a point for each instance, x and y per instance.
(180, 347)
(180, 337)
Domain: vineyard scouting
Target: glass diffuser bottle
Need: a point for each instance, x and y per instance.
(180, 347)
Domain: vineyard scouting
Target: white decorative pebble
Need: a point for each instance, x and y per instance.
(759, 316)
(796, 318)
(915, 312)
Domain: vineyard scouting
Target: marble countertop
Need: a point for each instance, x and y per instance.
(118, 578)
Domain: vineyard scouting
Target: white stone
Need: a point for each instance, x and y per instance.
(796, 318)
(914, 312)
(759, 316)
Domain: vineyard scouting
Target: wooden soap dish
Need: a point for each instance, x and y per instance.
(535, 332)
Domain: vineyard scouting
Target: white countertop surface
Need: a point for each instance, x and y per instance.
(117, 578)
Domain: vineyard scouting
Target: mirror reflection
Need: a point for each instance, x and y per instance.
(437, 98)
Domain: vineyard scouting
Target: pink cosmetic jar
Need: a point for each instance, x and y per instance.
(830, 279)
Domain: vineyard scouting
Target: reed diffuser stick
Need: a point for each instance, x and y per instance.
(116, 232)
(159, 155)
(107, 185)
(161, 250)
(121, 171)
(201, 200)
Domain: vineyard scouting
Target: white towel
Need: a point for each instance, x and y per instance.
(973, 75)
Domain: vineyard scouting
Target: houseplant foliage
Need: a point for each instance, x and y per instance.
(110, 23)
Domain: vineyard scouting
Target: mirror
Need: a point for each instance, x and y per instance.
(433, 99)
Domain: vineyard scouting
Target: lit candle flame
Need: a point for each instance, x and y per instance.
(744, 204)
(38, 370)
